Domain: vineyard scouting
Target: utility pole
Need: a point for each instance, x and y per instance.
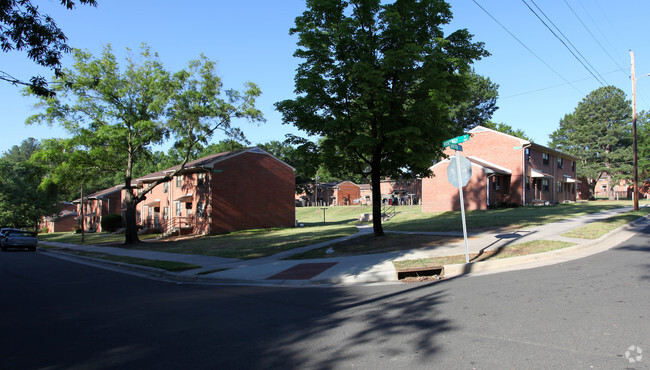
(635, 159)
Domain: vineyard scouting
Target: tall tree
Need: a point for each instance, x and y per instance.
(115, 116)
(480, 105)
(22, 27)
(599, 131)
(22, 152)
(24, 197)
(379, 83)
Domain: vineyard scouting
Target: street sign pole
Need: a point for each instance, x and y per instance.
(462, 207)
(453, 144)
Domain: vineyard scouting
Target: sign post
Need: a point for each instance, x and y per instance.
(463, 169)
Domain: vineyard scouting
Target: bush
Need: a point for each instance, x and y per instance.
(111, 222)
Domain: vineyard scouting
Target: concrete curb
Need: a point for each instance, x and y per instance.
(605, 242)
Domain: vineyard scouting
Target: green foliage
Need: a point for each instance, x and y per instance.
(22, 152)
(380, 84)
(507, 129)
(24, 197)
(199, 107)
(116, 115)
(22, 27)
(111, 222)
(480, 104)
(643, 144)
(599, 132)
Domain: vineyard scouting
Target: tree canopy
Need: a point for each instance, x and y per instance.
(26, 195)
(116, 115)
(23, 27)
(380, 83)
(599, 132)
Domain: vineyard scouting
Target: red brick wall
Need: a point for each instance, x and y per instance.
(252, 191)
(346, 193)
(500, 149)
(438, 195)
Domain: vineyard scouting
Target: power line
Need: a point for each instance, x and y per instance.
(595, 39)
(562, 41)
(526, 47)
(552, 87)
(612, 47)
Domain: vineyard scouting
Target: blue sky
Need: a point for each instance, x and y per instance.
(251, 42)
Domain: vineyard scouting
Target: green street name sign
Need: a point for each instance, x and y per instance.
(456, 140)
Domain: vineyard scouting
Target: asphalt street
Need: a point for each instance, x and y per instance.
(587, 313)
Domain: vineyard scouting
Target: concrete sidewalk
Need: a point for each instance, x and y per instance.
(373, 268)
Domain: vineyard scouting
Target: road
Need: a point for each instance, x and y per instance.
(582, 314)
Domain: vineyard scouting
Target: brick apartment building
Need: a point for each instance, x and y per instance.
(98, 205)
(221, 193)
(505, 170)
(65, 220)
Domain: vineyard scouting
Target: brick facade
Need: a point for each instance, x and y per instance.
(221, 193)
(98, 205)
(65, 220)
(347, 193)
(509, 170)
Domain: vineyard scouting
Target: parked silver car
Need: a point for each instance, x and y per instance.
(18, 239)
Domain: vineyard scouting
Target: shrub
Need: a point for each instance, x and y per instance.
(111, 222)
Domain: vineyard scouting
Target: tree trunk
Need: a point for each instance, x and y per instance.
(130, 224)
(375, 184)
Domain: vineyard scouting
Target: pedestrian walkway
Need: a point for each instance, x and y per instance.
(378, 268)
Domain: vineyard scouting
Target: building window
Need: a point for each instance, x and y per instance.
(559, 187)
(560, 162)
(165, 213)
(200, 209)
(200, 179)
(527, 154)
(573, 166)
(165, 187)
(179, 181)
(178, 208)
(545, 185)
(545, 158)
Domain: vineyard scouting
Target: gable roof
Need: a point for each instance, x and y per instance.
(102, 194)
(488, 167)
(525, 143)
(205, 162)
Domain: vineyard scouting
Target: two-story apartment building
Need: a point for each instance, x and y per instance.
(221, 193)
(98, 205)
(505, 170)
(65, 220)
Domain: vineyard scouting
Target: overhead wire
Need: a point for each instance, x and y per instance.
(594, 37)
(551, 87)
(562, 41)
(526, 47)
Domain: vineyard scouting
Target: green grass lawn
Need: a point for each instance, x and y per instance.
(597, 229)
(252, 243)
(497, 218)
(89, 238)
(341, 221)
(164, 265)
(536, 246)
